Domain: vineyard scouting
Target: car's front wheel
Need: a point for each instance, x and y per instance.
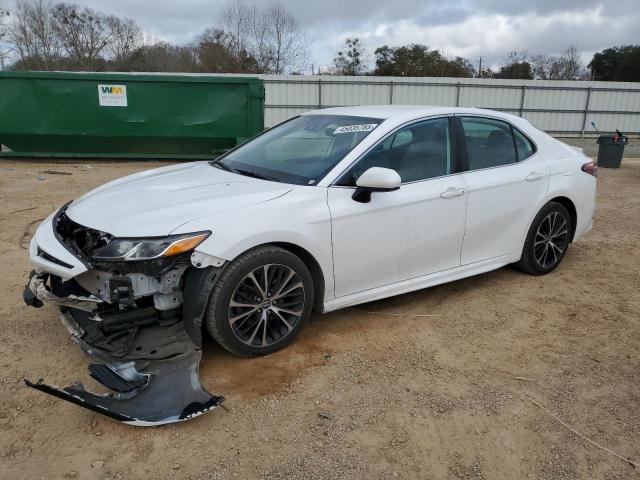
(547, 240)
(260, 302)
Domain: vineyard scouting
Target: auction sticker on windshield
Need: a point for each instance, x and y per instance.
(362, 127)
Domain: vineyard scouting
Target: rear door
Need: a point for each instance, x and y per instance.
(506, 179)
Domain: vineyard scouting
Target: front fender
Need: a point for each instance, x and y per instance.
(301, 218)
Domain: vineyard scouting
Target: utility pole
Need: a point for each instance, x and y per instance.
(480, 67)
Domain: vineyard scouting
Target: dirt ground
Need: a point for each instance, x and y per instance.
(367, 392)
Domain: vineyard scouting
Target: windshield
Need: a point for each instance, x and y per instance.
(301, 150)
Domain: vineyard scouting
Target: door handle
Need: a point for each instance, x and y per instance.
(534, 176)
(452, 192)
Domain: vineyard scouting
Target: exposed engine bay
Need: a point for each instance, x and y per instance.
(137, 311)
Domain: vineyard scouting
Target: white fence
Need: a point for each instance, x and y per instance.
(562, 108)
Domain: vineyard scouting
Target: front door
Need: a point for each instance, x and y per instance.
(407, 233)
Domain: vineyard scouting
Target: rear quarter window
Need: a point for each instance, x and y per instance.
(524, 146)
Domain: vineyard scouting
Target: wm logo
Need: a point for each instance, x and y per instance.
(114, 90)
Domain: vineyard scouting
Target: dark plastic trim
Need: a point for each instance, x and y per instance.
(198, 284)
(54, 223)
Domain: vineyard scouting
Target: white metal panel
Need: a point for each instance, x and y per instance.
(424, 95)
(555, 99)
(610, 122)
(556, 122)
(554, 105)
(336, 94)
(290, 93)
(490, 97)
(615, 101)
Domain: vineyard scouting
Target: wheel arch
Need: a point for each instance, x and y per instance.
(314, 268)
(567, 203)
(563, 200)
(311, 263)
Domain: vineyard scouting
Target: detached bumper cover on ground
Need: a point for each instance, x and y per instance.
(174, 396)
(139, 322)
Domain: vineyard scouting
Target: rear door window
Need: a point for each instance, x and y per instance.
(489, 142)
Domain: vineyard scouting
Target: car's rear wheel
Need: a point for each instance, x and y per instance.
(547, 241)
(260, 302)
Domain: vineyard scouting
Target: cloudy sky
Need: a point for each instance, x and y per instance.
(470, 28)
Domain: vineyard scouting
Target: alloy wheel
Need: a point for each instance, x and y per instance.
(551, 240)
(266, 305)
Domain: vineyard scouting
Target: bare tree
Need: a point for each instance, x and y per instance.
(163, 57)
(126, 37)
(567, 66)
(83, 34)
(64, 36)
(270, 35)
(570, 66)
(235, 18)
(49, 37)
(32, 35)
(5, 48)
(350, 60)
(542, 66)
(285, 40)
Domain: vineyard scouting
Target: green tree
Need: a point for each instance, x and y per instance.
(419, 61)
(520, 70)
(350, 60)
(458, 67)
(516, 66)
(618, 64)
(216, 54)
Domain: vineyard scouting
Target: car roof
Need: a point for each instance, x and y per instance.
(406, 111)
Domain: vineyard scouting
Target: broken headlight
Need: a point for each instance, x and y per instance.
(132, 249)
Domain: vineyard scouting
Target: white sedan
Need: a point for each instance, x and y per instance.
(329, 209)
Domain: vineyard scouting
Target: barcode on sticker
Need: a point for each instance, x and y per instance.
(362, 127)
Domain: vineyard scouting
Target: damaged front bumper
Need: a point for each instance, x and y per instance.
(150, 363)
(168, 391)
(142, 330)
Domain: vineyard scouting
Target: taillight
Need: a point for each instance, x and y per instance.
(591, 168)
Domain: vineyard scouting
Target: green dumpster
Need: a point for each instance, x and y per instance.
(127, 115)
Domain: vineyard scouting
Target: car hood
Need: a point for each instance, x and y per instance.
(156, 202)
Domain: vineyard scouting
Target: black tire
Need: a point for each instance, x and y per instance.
(543, 252)
(243, 281)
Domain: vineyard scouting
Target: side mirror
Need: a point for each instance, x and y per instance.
(375, 179)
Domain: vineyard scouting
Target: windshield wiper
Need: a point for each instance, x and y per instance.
(261, 176)
(247, 173)
(222, 166)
